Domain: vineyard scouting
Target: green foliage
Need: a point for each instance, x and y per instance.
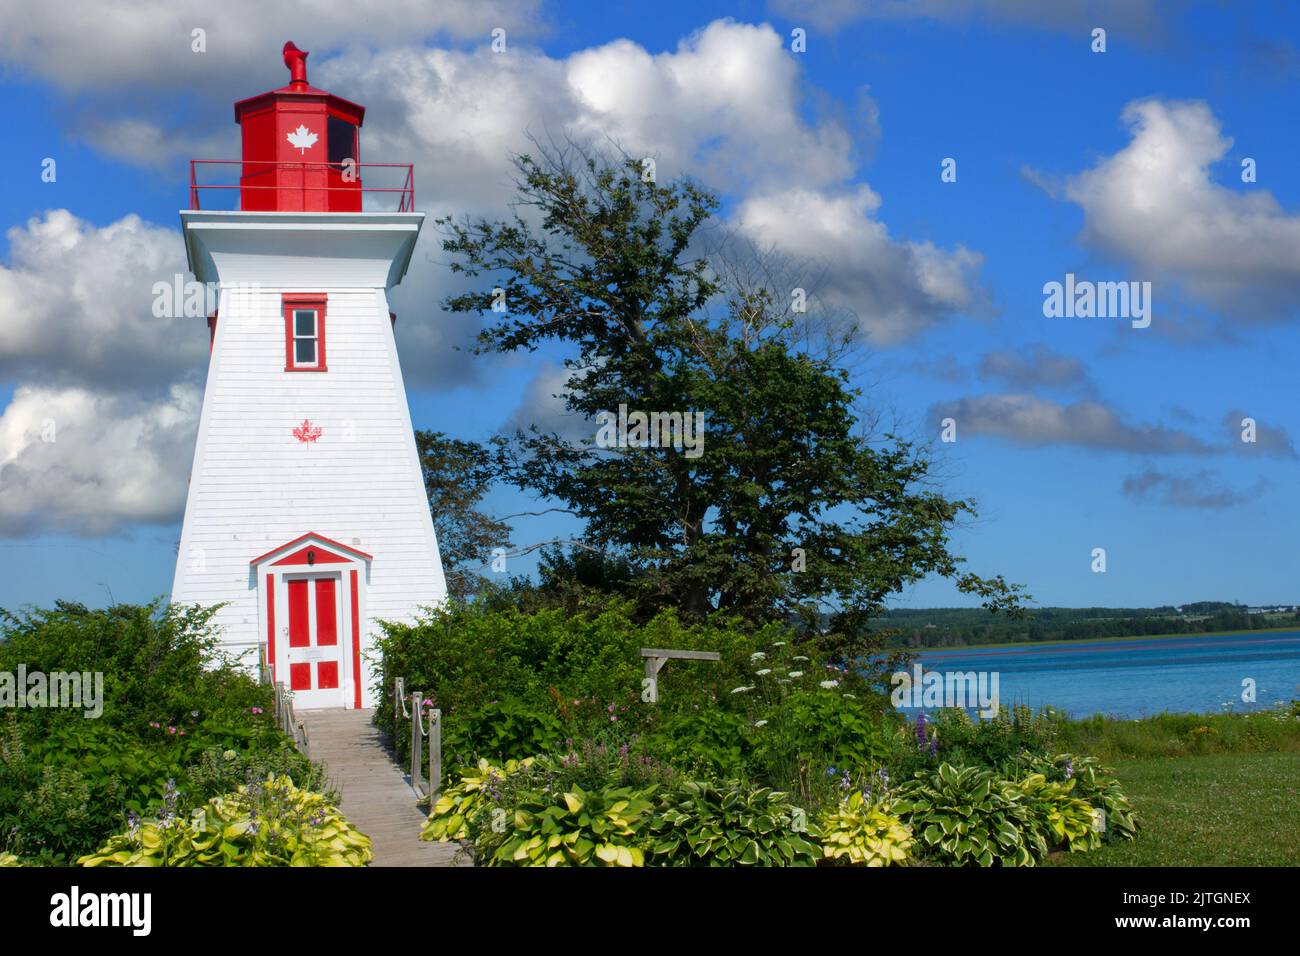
(262, 824)
(1004, 743)
(504, 730)
(575, 828)
(455, 814)
(1176, 735)
(702, 823)
(859, 832)
(609, 268)
(710, 742)
(1061, 818)
(1098, 786)
(970, 817)
(8, 859)
(457, 474)
(168, 697)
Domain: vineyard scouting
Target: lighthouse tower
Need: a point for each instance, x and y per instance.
(307, 518)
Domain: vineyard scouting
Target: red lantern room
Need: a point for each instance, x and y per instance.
(301, 147)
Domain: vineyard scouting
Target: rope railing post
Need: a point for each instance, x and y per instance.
(417, 733)
(435, 752)
(399, 692)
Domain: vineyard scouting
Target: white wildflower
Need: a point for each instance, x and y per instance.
(829, 684)
(796, 673)
(764, 671)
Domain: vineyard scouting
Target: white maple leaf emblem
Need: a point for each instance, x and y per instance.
(303, 138)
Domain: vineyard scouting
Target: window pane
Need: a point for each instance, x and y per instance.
(342, 140)
(304, 322)
(304, 352)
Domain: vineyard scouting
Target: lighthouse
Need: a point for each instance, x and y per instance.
(307, 519)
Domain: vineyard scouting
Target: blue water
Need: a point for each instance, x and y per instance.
(1136, 678)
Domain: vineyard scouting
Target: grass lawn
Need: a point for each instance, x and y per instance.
(1215, 810)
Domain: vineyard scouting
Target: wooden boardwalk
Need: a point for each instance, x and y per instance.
(376, 794)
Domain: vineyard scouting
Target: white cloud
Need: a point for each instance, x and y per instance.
(725, 107)
(1154, 205)
(86, 46)
(1138, 18)
(1029, 420)
(896, 288)
(76, 304)
(88, 464)
(543, 405)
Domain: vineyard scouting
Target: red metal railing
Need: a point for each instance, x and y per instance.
(405, 193)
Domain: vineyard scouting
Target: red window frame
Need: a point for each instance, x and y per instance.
(315, 302)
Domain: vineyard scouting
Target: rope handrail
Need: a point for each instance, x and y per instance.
(418, 713)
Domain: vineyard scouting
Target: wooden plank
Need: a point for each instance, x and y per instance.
(374, 792)
(681, 655)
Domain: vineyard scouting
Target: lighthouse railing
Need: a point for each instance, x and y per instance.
(403, 194)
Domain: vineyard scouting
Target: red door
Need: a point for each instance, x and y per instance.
(314, 646)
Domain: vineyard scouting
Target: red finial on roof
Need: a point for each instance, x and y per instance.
(296, 61)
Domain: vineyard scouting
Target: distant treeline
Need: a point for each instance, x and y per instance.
(954, 627)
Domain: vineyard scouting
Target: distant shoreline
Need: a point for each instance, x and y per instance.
(1295, 628)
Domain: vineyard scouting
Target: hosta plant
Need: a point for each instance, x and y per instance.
(459, 806)
(574, 828)
(701, 823)
(970, 817)
(1095, 784)
(1063, 819)
(272, 823)
(865, 834)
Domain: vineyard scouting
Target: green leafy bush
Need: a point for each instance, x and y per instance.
(503, 730)
(1096, 785)
(710, 742)
(969, 817)
(575, 828)
(701, 823)
(1058, 817)
(456, 811)
(169, 696)
(865, 834)
(262, 824)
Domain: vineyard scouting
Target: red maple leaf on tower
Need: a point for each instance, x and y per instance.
(307, 432)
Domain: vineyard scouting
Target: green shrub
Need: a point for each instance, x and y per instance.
(574, 828)
(710, 742)
(262, 824)
(701, 823)
(1098, 786)
(503, 730)
(865, 834)
(455, 814)
(1060, 818)
(969, 817)
(168, 697)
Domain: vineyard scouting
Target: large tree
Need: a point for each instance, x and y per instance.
(794, 507)
(457, 475)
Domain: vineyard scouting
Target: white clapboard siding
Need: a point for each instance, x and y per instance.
(254, 486)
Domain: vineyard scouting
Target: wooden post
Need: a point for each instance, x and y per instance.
(435, 753)
(657, 657)
(417, 731)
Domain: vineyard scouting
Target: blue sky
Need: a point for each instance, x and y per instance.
(1073, 433)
